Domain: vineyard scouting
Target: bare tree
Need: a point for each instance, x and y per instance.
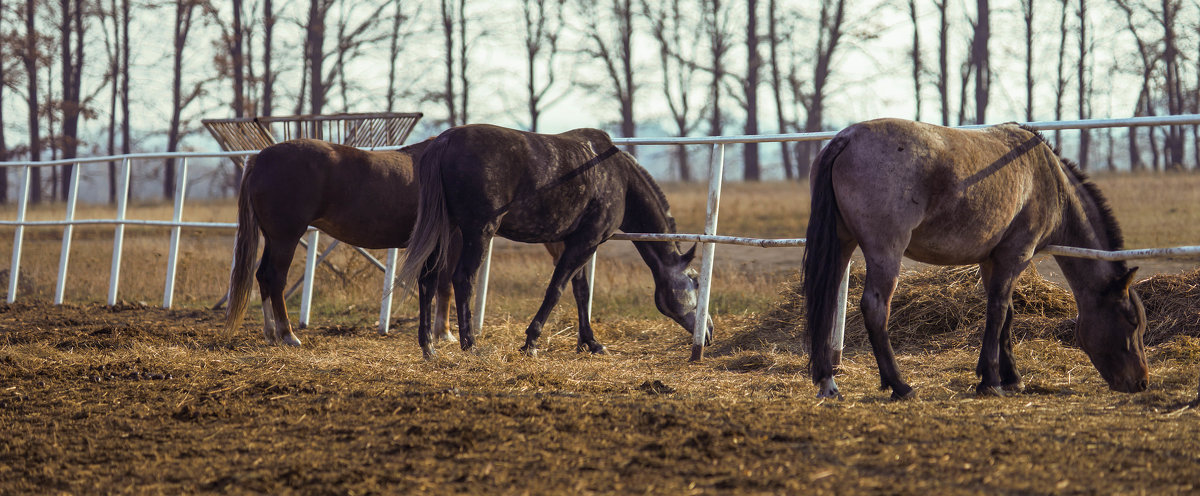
(72, 31)
(543, 29)
(677, 43)
(615, 53)
(397, 37)
(773, 42)
(981, 59)
(268, 72)
(1148, 63)
(716, 27)
(943, 80)
(185, 11)
(917, 67)
(454, 32)
(1083, 79)
(314, 53)
(830, 28)
(1060, 86)
(752, 170)
(238, 61)
(1027, 15)
(1173, 82)
(31, 58)
(112, 47)
(6, 67)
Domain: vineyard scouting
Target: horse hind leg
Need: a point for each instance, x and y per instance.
(441, 321)
(272, 277)
(876, 307)
(587, 338)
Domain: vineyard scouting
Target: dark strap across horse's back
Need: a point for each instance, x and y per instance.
(594, 161)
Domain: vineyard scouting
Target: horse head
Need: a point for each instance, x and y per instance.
(675, 289)
(1111, 334)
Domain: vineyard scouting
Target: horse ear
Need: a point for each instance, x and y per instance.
(1126, 281)
(689, 255)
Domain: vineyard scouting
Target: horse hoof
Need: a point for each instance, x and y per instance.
(291, 340)
(428, 353)
(530, 351)
(598, 349)
(447, 337)
(986, 390)
(1016, 387)
(828, 389)
(897, 395)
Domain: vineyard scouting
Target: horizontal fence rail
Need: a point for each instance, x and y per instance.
(707, 240)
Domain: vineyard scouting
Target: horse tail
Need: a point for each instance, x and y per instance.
(431, 231)
(245, 249)
(822, 272)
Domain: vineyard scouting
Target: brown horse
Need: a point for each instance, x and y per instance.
(575, 188)
(364, 198)
(992, 197)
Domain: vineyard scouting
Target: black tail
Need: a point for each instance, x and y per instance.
(431, 232)
(822, 256)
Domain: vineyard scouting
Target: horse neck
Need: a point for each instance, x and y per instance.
(1083, 226)
(646, 211)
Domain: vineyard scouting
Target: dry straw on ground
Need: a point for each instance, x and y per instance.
(945, 307)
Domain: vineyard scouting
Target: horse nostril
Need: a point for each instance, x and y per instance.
(1143, 384)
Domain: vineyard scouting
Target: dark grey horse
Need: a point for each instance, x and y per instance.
(992, 197)
(575, 188)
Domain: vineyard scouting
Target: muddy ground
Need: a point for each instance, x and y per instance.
(136, 399)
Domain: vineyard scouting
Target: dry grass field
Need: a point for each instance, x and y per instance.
(138, 399)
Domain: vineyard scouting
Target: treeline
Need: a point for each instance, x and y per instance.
(682, 67)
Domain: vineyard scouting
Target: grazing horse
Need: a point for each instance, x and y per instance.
(575, 188)
(364, 198)
(992, 197)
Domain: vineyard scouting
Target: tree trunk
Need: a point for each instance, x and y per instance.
(72, 32)
(980, 57)
(1027, 14)
(777, 86)
(314, 53)
(944, 58)
(183, 24)
(239, 64)
(1060, 87)
(268, 78)
(29, 56)
(1084, 92)
(718, 45)
(752, 170)
(916, 59)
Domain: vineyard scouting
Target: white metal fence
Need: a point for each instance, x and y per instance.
(708, 239)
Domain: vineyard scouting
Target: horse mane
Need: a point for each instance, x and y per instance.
(649, 182)
(1111, 229)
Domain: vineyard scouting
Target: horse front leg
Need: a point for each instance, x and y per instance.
(572, 258)
(583, 292)
(876, 308)
(999, 281)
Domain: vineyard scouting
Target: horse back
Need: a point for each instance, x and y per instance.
(955, 194)
(533, 187)
(365, 198)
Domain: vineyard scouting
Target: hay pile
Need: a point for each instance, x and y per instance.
(1172, 306)
(940, 308)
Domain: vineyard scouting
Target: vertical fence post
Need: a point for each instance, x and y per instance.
(389, 282)
(716, 173)
(481, 289)
(119, 232)
(176, 231)
(310, 273)
(591, 279)
(19, 235)
(64, 256)
(839, 321)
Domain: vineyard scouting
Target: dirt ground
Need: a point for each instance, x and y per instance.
(136, 399)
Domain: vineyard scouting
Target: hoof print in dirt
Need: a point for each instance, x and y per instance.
(656, 387)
